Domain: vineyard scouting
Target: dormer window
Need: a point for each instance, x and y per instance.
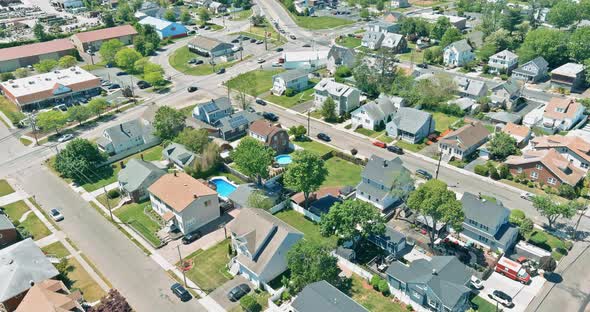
(560, 110)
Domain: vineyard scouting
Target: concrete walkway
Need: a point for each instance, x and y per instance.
(100, 191)
(47, 240)
(24, 216)
(13, 197)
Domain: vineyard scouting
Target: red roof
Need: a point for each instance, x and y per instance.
(36, 49)
(106, 33)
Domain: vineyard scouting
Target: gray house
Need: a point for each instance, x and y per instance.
(210, 112)
(295, 79)
(322, 296)
(410, 124)
(178, 155)
(393, 241)
(136, 177)
(340, 56)
(507, 94)
(382, 181)
(486, 223)
(372, 40)
(470, 88)
(531, 71)
(236, 125)
(136, 133)
(440, 284)
(209, 47)
(382, 27)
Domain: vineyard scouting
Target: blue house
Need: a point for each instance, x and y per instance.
(164, 28)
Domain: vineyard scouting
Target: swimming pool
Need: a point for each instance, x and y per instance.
(224, 187)
(283, 159)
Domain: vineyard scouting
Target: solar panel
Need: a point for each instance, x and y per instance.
(237, 121)
(209, 107)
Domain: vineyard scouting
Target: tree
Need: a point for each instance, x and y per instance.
(546, 42)
(298, 132)
(451, 35)
(578, 46)
(45, 66)
(169, 15)
(364, 14)
(433, 55)
(7, 76)
(552, 210)
(97, 105)
(380, 5)
(79, 113)
(67, 61)
(124, 12)
(438, 204)
(63, 267)
(244, 85)
(487, 50)
(341, 73)
(547, 264)
(150, 67)
(51, 120)
(139, 66)
(126, 58)
(21, 72)
(352, 219)
(510, 18)
(168, 122)
(414, 27)
(109, 49)
(154, 78)
(306, 173)
(185, 17)
(502, 145)
(309, 263)
(257, 20)
(563, 14)
(194, 139)
(441, 25)
(256, 167)
(78, 159)
(113, 302)
(501, 39)
(328, 109)
(567, 191)
(39, 32)
(204, 15)
(147, 40)
(258, 200)
(107, 19)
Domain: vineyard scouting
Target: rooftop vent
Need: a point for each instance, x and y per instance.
(78, 73)
(31, 82)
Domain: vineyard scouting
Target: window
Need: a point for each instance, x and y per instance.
(551, 181)
(534, 174)
(207, 203)
(584, 165)
(519, 170)
(539, 167)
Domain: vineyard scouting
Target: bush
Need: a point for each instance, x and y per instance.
(250, 304)
(503, 171)
(568, 245)
(567, 191)
(384, 287)
(375, 282)
(530, 184)
(516, 216)
(289, 92)
(409, 307)
(114, 193)
(494, 174)
(539, 239)
(482, 170)
(354, 151)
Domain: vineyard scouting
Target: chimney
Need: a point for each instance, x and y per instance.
(175, 173)
(434, 272)
(384, 163)
(195, 196)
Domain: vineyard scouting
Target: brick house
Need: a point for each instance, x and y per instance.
(545, 166)
(274, 136)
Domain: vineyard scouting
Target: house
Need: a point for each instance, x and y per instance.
(322, 296)
(93, 40)
(392, 241)
(375, 114)
(21, 266)
(393, 16)
(547, 166)
(463, 142)
(347, 98)
(465, 104)
(438, 284)
(273, 136)
(372, 40)
(340, 56)
(8, 233)
(318, 203)
(470, 88)
(569, 76)
(29, 54)
(531, 71)
(136, 177)
(507, 94)
(261, 242)
(458, 53)
(562, 113)
(503, 62)
(178, 155)
(149, 8)
(521, 133)
(51, 296)
(236, 125)
(165, 29)
(217, 7)
(308, 60)
(400, 4)
(503, 117)
(381, 182)
(486, 223)
(296, 80)
(457, 21)
(210, 47)
(573, 148)
(135, 134)
(184, 203)
(210, 112)
(382, 27)
(396, 42)
(410, 125)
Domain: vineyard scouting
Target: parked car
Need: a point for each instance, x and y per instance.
(56, 215)
(221, 71)
(251, 109)
(191, 237)
(244, 38)
(324, 137)
(235, 41)
(65, 138)
(192, 89)
(423, 173)
(476, 283)
(106, 83)
(180, 292)
(192, 61)
(143, 84)
(121, 73)
(502, 297)
(292, 37)
(307, 45)
(238, 292)
(527, 195)
(276, 64)
(395, 149)
(422, 65)
(207, 27)
(270, 116)
(191, 32)
(253, 40)
(260, 60)
(279, 49)
(260, 101)
(380, 144)
(114, 86)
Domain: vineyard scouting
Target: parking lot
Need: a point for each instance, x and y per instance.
(521, 294)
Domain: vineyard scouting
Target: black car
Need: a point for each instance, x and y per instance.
(253, 40)
(221, 71)
(324, 137)
(235, 41)
(270, 116)
(423, 173)
(121, 73)
(279, 50)
(181, 292)
(192, 89)
(114, 86)
(197, 62)
(238, 292)
(395, 149)
(143, 84)
(307, 45)
(191, 237)
(245, 38)
(422, 65)
(192, 61)
(260, 101)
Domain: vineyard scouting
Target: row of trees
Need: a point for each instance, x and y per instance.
(129, 59)
(54, 120)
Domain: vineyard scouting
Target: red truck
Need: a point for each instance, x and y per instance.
(513, 270)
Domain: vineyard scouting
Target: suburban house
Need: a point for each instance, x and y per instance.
(573, 148)
(135, 134)
(30, 54)
(464, 141)
(438, 284)
(236, 125)
(547, 166)
(395, 42)
(210, 112)
(410, 125)
(503, 62)
(271, 135)
(507, 94)
(308, 60)
(217, 7)
(486, 223)
(392, 241)
(347, 98)
(93, 40)
(382, 27)
(51, 296)
(569, 76)
(318, 203)
(178, 155)
(184, 203)
(382, 181)
(21, 266)
(372, 40)
(394, 16)
(532, 71)
(322, 296)
(296, 80)
(209, 47)
(400, 4)
(8, 233)
(165, 29)
(136, 177)
(464, 103)
(562, 113)
(458, 53)
(261, 242)
(521, 133)
(457, 21)
(470, 88)
(340, 56)
(375, 114)
(503, 117)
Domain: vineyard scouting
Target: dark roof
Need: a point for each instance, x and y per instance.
(241, 194)
(292, 74)
(483, 211)
(322, 296)
(137, 171)
(214, 105)
(393, 235)
(410, 119)
(323, 205)
(539, 62)
(232, 122)
(5, 223)
(504, 117)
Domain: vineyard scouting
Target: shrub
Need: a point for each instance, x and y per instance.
(250, 304)
(503, 171)
(567, 191)
(516, 216)
(481, 170)
(289, 92)
(375, 282)
(539, 239)
(354, 151)
(409, 307)
(114, 193)
(568, 245)
(494, 174)
(530, 184)
(384, 287)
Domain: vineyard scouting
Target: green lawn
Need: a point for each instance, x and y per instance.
(369, 132)
(5, 188)
(34, 226)
(385, 138)
(242, 15)
(179, 60)
(412, 54)
(260, 296)
(10, 110)
(409, 146)
(371, 299)
(16, 210)
(349, 42)
(483, 305)
(56, 249)
(82, 280)
(25, 141)
(310, 230)
(102, 198)
(320, 22)
(261, 78)
(314, 146)
(342, 173)
(290, 101)
(209, 269)
(443, 121)
(134, 215)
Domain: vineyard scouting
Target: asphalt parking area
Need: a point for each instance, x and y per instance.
(521, 294)
(220, 294)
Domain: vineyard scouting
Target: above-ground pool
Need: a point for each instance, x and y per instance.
(224, 187)
(283, 159)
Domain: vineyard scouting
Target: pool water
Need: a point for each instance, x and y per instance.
(224, 188)
(283, 159)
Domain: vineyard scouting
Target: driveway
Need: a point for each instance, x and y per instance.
(471, 166)
(220, 294)
(522, 295)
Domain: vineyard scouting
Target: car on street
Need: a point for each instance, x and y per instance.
(244, 38)
(56, 215)
(235, 41)
(207, 27)
(502, 298)
(143, 84)
(191, 32)
(380, 144)
(121, 73)
(261, 60)
(279, 49)
(307, 45)
(324, 137)
(238, 292)
(260, 101)
(276, 64)
(65, 138)
(251, 109)
(192, 89)
(181, 292)
(422, 65)
(259, 42)
(395, 149)
(191, 237)
(424, 174)
(253, 40)
(527, 195)
(221, 71)
(476, 283)
(105, 83)
(114, 86)
(292, 37)
(270, 116)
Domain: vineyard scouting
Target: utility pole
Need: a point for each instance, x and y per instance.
(181, 265)
(438, 165)
(33, 124)
(265, 41)
(308, 123)
(106, 194)
(241, 49)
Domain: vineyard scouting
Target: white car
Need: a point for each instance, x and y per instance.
(502, 298)
(56, 215)
(476, 283)
(65, 137)
(527, 195)
(277, 64)
(261, 60)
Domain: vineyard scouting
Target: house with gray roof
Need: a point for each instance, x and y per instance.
(261, 242)
(295, 79)
(136, 177)
(465, 104)
(375, 114)
(322, 296)
(210, 112)
(507, 94)
(133, 134)
(178, 155)
(236, 125)
(503, 117)
(439, 284)
(410, 125)
(382, 182)
(340, 56)
(458, 53)
(382, 27)
(372, 40)
(532, 71)
(486, 223)
(470, 88)
(347, 98)
(503, 62)
(464, 141)
(396, 43)
(209, 47)
(21, 266)
(392, 241)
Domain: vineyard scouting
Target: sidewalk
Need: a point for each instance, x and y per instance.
(109, 187)
(13, 197)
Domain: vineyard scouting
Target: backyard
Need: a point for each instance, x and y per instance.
(372, 300)
(314, 146)
(342, 173)
(262, 80)
(134, 215)
(443, 121)
(209, 269)
(310, 230)
(290, 101)
(179, 60)
(5, 188)
(349, 42)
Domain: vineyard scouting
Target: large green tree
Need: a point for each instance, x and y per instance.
(204, 15)
(126, 58)
(97, 105)
(441, 25)
(352, 219)
(45, 66)
(79, 113)
(78, 160)
(51, 120)
(578, 46)
(67, 61)
(168, 122)
(563, 14)
(194, 139)
(328, 109)
(109, 49)
(169, 15)
(306, 173)
(309, 263)
(39, 32)
(502, 145)
(510, 19)
(253, 158)
(552, 210)
(451, 35)
(546, 42)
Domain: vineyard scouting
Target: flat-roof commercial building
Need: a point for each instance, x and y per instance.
(94, 39)
(29, 54)
(59, 86)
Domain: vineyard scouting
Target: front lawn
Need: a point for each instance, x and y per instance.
(409, 146)
(443, 121)
(82, 280)
(35, 227)
(363, 293)
(290, 101)
(5, 188)
(16, 210)
(112, 202)
(10, 110)
(262, 79)
(133, 214)
(56, 249)
(320, 22)
(412, 54)
(179, 60)
(314, 146)
(310, 230)
(349, 42)
(188, 111)
(342, 173)
(209, 269)
(242, 15)
(369, 132)
(483, 305)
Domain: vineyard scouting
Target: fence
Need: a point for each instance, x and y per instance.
(280, 206)
(356, 269)
(236, 173)
(305, 212)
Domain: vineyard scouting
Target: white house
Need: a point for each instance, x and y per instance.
(464, 141)
(562, 113)
(381, 181)
(458, 53)
(503, 62)
(372, 40)
(374, 114)
(340, 56)
(395, 42)
(346, 97)
(295, 79)
(127, 135)
(314, 59)
(410, 125)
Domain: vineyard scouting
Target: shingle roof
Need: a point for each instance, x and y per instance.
(576, 144)
(504, 117)
(460, 46)
(136, 171)
(322, 296)
(569, 106)
(264, 128)
(206, 43)
(179, 190)
(50, 296)
(470, 86)
(553, 161)
(539, 63)
(292, 74)
(466, 136)
(333, 87)
(515, 130)
(464, 103)
(241, 194)
(372, 36)
(222, 103)
(378, 109)
(505, 55)
(178, 153)
(33, 49)
(410, 119)
(5, 223)
(487, 212)
(383, 171)
(106, 33)
(232, 122)
(126, 131)
(340, 53)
